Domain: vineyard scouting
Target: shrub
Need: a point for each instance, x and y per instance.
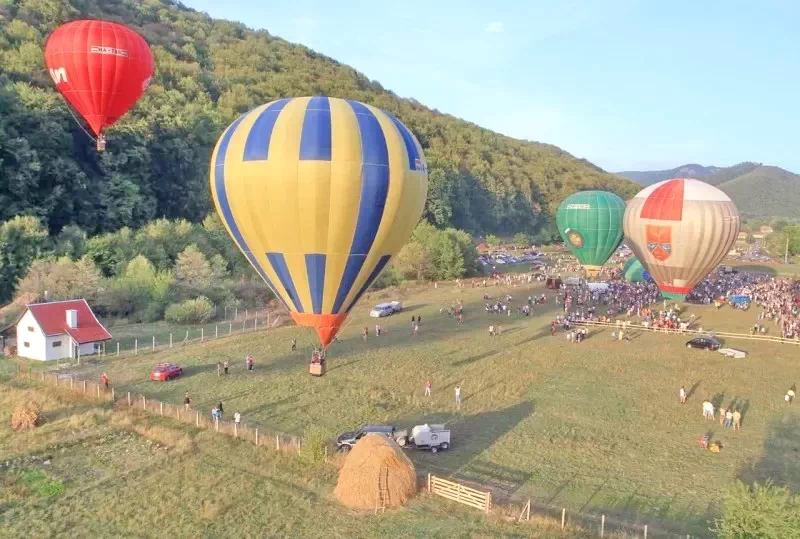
(757, 510)
(191, 311)
(313, 449)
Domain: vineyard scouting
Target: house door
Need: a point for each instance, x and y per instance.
(74, 353)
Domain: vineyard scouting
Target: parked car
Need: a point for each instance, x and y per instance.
(704, 343)
(433, 437)
(733, 353)
(347, 440)
(386, 309)
(165, 371)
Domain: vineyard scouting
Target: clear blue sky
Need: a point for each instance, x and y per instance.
(626, 84)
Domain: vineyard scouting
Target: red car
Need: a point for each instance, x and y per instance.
(165, 371)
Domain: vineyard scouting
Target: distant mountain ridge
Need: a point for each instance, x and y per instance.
(758, 190)
(649, 177)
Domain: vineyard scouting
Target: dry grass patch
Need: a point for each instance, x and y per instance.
(27, 415)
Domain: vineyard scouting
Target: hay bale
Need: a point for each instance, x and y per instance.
(26, 416)
(372, 460)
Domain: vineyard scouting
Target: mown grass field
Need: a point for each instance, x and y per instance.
(593, 427)
(111, 473)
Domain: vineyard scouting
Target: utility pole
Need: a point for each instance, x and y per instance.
(786, 252)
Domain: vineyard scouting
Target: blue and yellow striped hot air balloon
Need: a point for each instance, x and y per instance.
(319, 193)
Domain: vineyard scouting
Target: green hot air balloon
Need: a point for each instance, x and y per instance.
(590, 223)
(633, 271)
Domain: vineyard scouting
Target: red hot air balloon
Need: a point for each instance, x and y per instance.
(101, 68)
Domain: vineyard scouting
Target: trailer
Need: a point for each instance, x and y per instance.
(433, 437)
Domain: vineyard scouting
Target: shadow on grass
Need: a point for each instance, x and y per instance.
(780, 460)
(471, 436)
(473, 359)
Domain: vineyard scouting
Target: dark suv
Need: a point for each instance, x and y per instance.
(704, 343)
(347, 440)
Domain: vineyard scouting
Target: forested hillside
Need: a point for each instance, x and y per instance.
(757, 190)
(207, 73)
(765, 192)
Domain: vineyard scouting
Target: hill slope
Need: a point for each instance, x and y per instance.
(649, 177)
(757, 190)
(765, 192)
(207, 73)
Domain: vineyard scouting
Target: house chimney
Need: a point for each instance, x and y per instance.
(72, 318)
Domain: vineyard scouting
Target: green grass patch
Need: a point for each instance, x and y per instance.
(40, 484)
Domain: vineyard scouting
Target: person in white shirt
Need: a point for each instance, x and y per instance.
(237, 418)
(683, 395)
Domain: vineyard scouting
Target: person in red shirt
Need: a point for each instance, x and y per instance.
(104, 379)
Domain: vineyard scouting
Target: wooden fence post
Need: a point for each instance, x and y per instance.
(326, 453)
(117, 347)
(488, 502)
(129, 398)
(255, 324)
(645, 531)
(56, 379)
(235, 429)
(429, 482)
(71, 383)
(257, 438)
(245, 314)
(602, 525)
(144, 403)
(197, 418)
(30, 372)
(170, 340)
(136, 347)
(244, 325)
(113, 395)
(216, 331)
(98, 390)
(84, 385)
(236, 314)
(216, 422)
(230, 328)
(154, 343)
(43, 376)
(202, 335)
(278, 442)
(161, 407)
(563, 516)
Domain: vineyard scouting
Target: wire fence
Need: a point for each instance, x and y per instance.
(186, 414)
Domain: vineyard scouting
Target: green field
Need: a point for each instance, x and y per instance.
(594, 427)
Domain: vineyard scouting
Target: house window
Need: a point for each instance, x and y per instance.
(30, 328)
(26, 344)
(56, 344)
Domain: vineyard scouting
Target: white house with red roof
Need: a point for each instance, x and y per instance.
(58, 330)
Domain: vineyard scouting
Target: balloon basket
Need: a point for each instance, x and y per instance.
(317, 368)
(101, 143)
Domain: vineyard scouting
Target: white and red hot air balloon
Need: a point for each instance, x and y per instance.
(680, 230)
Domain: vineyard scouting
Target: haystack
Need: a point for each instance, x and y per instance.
(26, 416)
(375, 463)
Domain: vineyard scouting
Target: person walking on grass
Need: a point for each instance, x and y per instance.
(365, 333)
(416, 329)
(722, 416)
(427, 388)
(237, 418)
(219, 410)
(294, 345)
(728, 419)
(219, 369)
(737, 420)
(458, 396)
(225, 367)
(789, 395)
(186, 401)
(104, 379)
(683, 395)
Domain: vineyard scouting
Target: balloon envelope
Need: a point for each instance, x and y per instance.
(101, 68)
(319, 193)
(680, 230)
(633, 271)
(590, 223)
